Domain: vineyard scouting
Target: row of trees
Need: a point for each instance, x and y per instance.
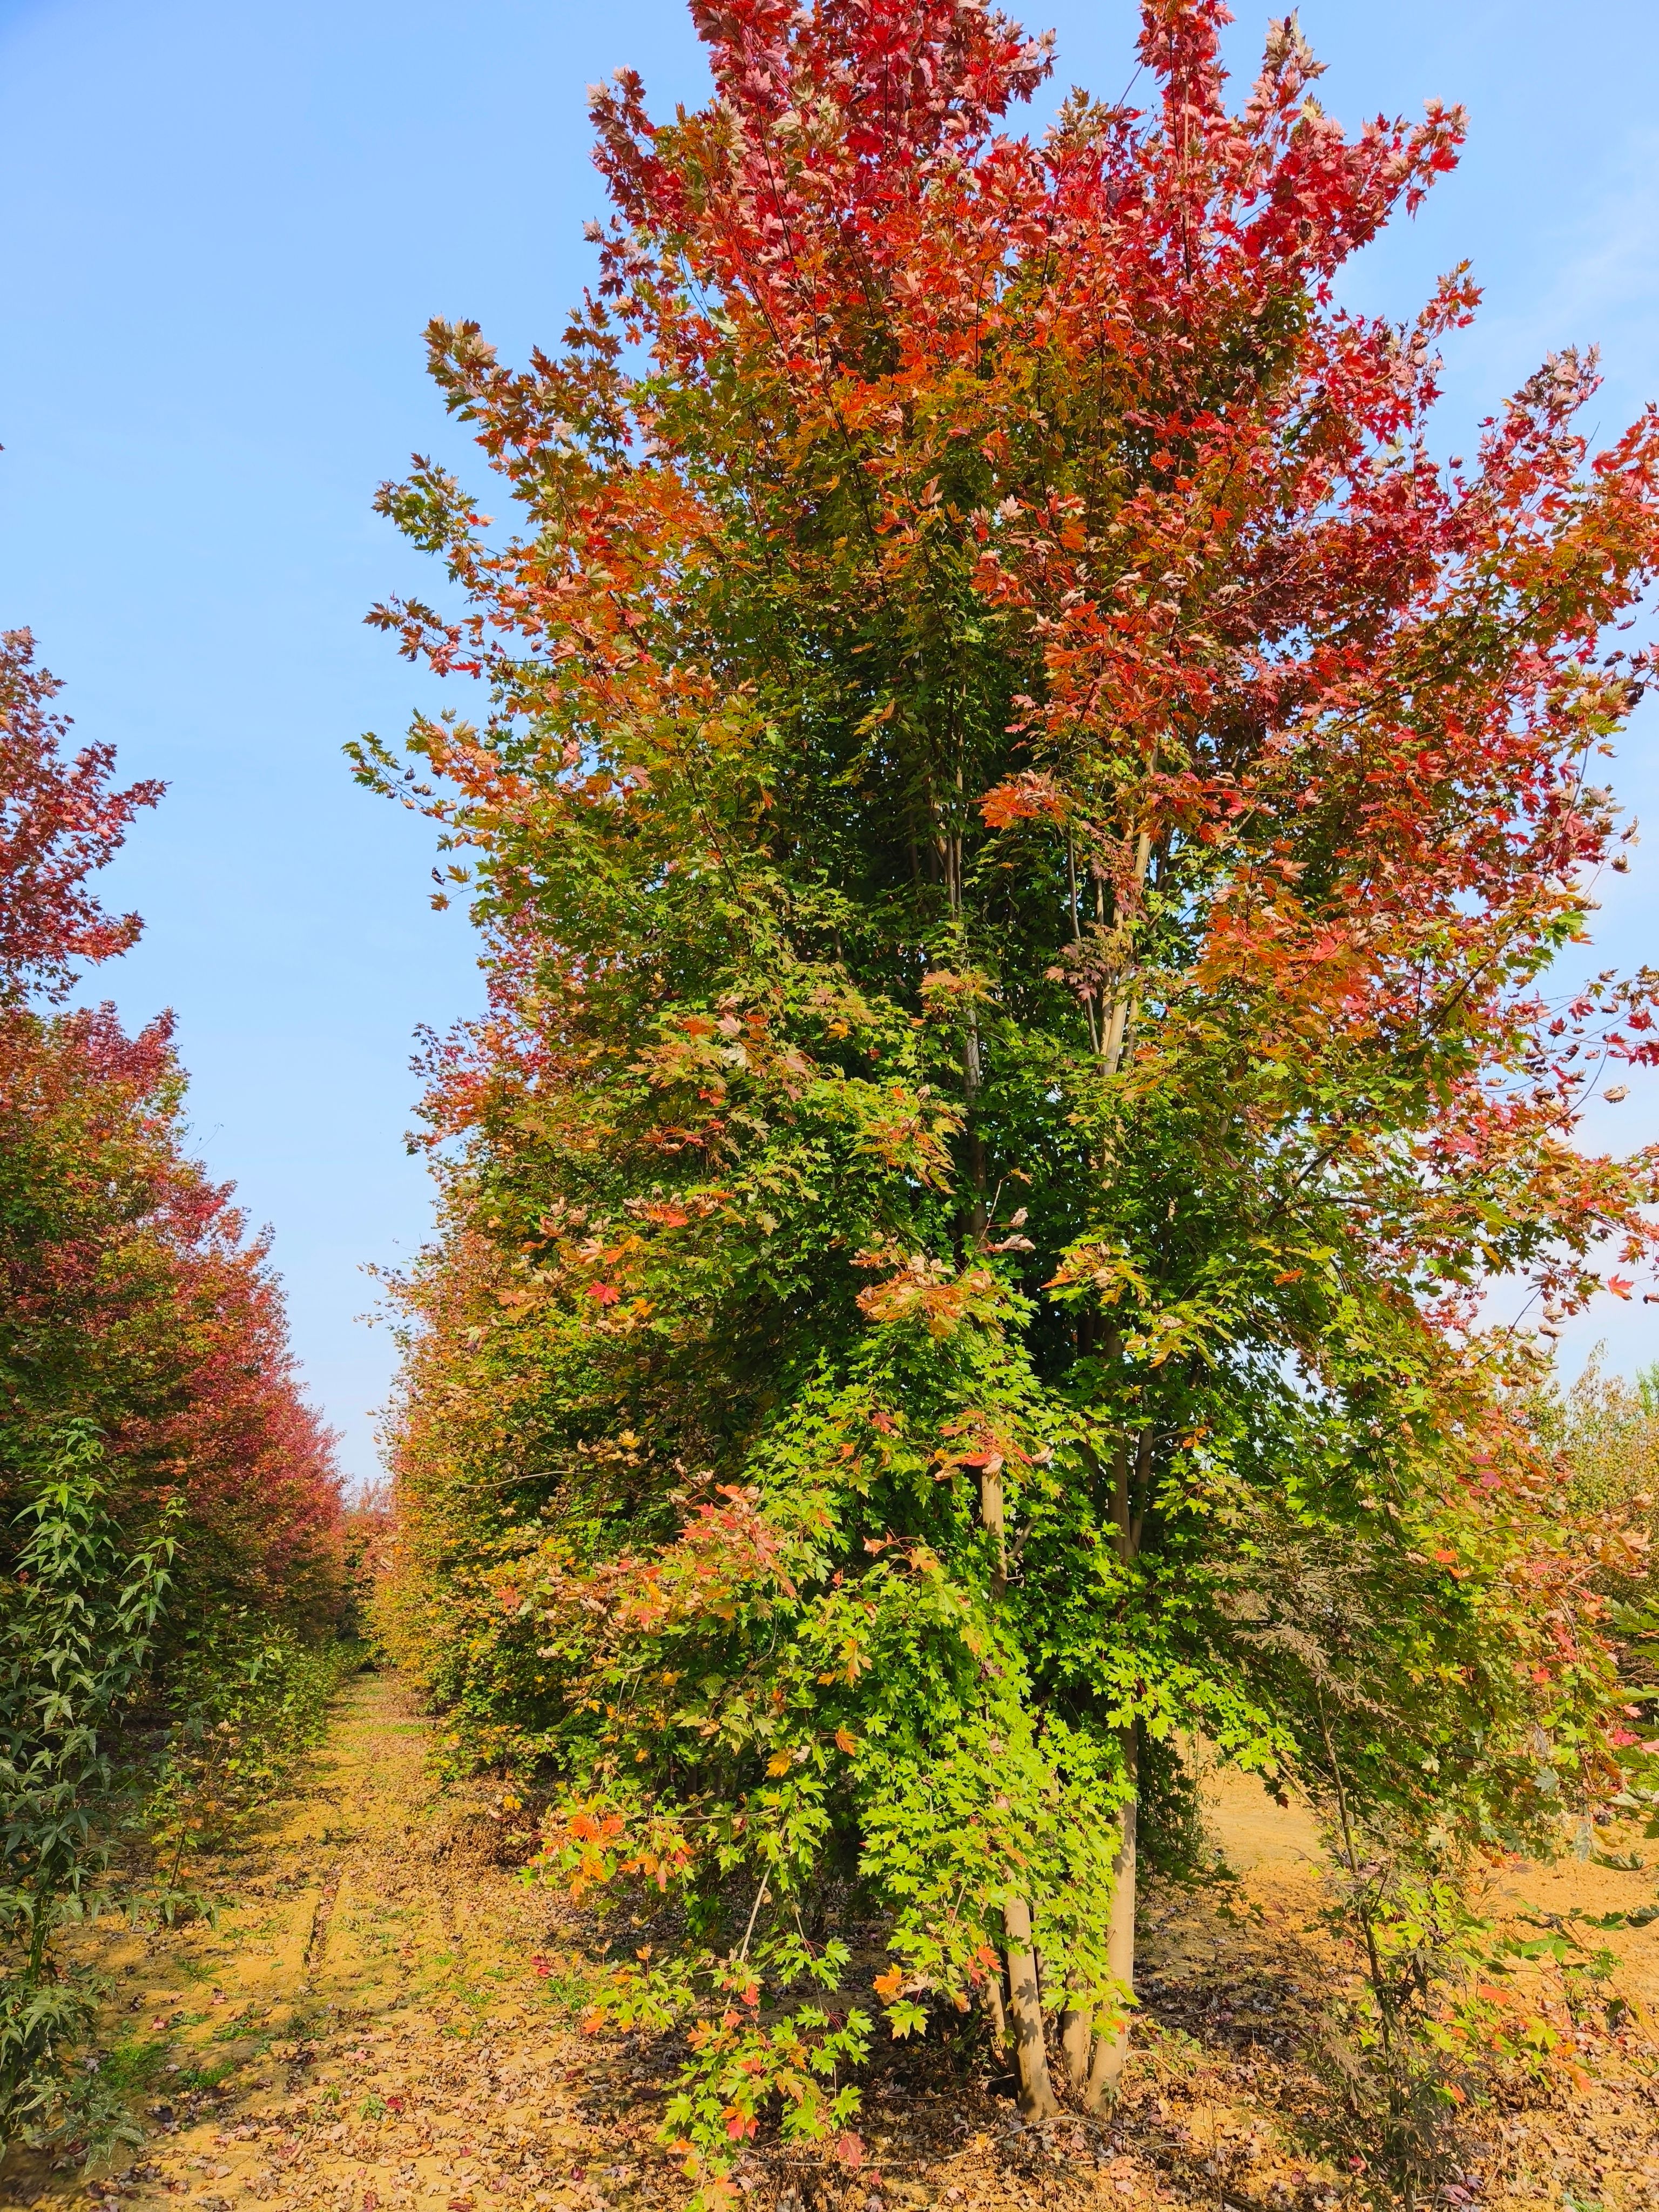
(1026, 833)
(170, 1513)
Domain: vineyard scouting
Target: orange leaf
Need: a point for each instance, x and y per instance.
(1029, 797)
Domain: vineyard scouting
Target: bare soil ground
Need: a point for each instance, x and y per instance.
(376, 2024)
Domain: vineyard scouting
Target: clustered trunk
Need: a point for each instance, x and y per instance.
(1092, 2056)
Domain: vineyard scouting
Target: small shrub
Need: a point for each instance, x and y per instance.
(1428, 2026)
(253, 1698)
(76, 1635)
(757, 2046)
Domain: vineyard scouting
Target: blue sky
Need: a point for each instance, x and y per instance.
(224, 228)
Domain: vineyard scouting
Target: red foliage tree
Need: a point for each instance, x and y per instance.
(129, 1294)
(59, 821)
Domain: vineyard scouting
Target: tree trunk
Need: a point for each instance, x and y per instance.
(1037, 2101)
(1106, 2066)
(1121, 1017)
(1076, 2041)
(1095, 2072)
(993, 1520)
(996, 2014)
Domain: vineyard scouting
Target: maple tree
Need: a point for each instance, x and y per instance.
(1022, 824)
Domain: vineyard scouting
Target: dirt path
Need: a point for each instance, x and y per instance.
(365, 2027)
(377, 2024)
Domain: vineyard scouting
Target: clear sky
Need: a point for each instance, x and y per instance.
(223, 229)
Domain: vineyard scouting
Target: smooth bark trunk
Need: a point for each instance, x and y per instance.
(1121, 1018)
(1076, 2043)
(996, 2014)
(1037, 2101)
(1094, 2063)
(1111, 2049)
(993, 1520)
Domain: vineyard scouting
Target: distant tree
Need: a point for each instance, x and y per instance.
(1605, 1432)
(130, 1297)
(1020, 825)
(59, 821)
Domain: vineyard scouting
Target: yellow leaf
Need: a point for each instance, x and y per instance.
(849, 1743)
(779, 1763)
